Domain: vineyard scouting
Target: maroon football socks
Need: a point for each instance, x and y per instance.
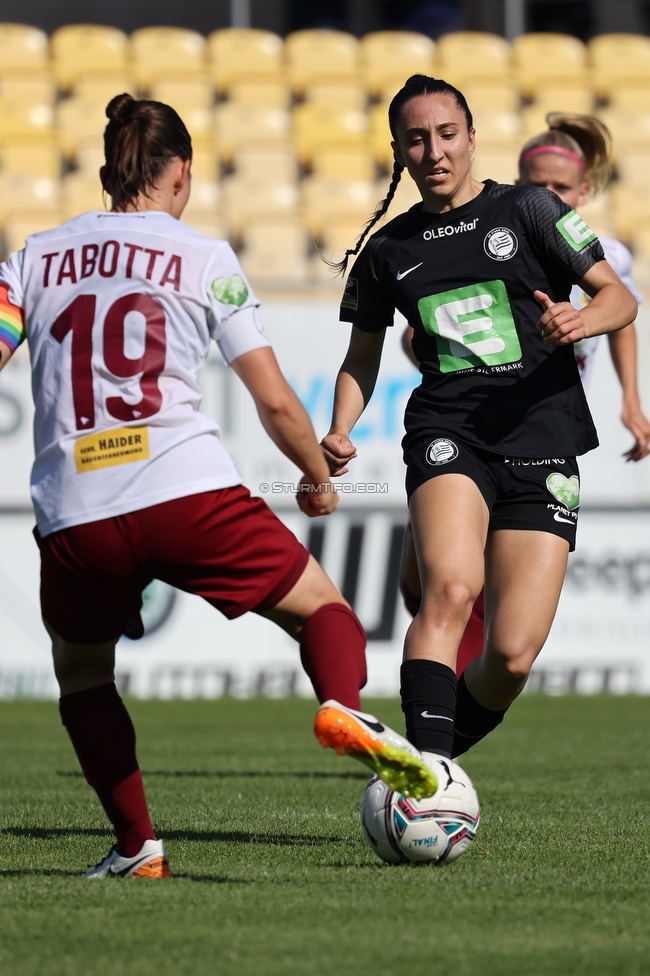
(103, 737)
(333, 653)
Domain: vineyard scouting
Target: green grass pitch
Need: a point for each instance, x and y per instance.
(273, 876)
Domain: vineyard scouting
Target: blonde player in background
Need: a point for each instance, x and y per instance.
(131, 481)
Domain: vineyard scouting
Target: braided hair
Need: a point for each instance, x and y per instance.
(140, 139)
(416, 85)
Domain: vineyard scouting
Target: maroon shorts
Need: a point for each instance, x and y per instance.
(222, 545)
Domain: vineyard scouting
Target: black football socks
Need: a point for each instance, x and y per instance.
(473, 721)
(429, 702)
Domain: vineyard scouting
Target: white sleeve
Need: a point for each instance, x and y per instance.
(620, 259)
(241, 332)
(11, 274)
(228, 290)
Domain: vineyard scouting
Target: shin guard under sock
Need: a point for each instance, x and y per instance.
(103, 737)
(333, 653)
(473, 721)
(429, 701)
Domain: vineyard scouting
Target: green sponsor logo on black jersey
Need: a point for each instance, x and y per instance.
(575, 231)
(473, 326)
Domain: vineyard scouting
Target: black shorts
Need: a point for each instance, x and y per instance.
(538, 494)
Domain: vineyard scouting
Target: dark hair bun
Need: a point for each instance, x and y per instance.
(120, 107)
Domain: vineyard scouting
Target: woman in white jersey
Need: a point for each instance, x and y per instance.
(572, 159)
(483, 274)
(131, 481)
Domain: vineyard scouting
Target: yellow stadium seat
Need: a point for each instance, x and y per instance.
(635, 99)
(204, 202)
(495, 164)
(465, 55)
(337, 235)
(379, 135)
(103, 88)
(343, 94)
(23, 49)
(533, 121)
(311, 55)
(86, 49)
(245, 199)
(344, 164)
(269, 93)
(155, 51)
(240, 126)
(631, 209)
(193, 99)
(36, 193)
(496, 129)
(25, 120)
(317, 127)
(634, 167)
(540, 58)
(243, 54)
(20, 224)
(31, 159)
(77, 121)
(205, 165)
(325, 199)
(89, 156)
(629, 130)
(492, 96)
(278, 165)
(388, 58)
(82, 192)
(35, 88)
(617, 60)
(564, 98)
(275, 251)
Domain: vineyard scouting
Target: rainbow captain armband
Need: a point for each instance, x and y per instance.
(12, 326)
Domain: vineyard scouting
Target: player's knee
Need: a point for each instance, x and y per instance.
(453, 597)
(518, 667)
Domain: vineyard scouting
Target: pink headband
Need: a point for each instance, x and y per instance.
(560, 150)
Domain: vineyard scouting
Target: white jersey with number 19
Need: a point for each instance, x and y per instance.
(118, 311)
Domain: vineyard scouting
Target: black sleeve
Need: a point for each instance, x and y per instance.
(364, 302)
(558, 233)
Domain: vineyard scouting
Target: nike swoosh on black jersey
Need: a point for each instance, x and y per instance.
(403, 274)
(558, 518)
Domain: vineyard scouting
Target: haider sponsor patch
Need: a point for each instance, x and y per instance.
(110, 447)
(575, 231)
(351, 295)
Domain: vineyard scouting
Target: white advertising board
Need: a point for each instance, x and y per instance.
(600, 638)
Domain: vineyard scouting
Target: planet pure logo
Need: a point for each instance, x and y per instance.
(565, 490)
(230, 291)
(500, 244)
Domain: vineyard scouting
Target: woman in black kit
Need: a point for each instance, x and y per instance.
(493, 430)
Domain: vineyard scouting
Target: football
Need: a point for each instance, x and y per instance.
(438, 829)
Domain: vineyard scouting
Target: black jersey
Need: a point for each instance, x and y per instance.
(464, 280)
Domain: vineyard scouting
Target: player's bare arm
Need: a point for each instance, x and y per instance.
(623, 350)
(354, 387)
(288, 425)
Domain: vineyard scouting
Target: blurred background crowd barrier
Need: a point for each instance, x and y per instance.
(292, 153)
